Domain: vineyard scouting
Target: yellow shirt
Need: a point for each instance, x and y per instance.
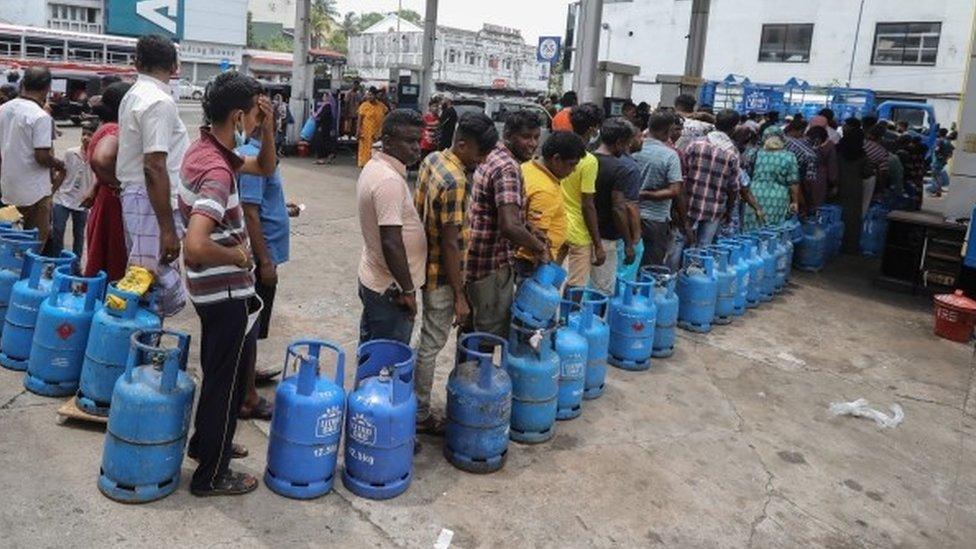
(544, 207)
(581, 181)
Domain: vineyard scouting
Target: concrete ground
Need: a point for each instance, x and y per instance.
(727, 444)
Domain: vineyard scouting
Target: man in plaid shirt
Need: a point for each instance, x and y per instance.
(498, 226)
(441, 199)
(711, 180)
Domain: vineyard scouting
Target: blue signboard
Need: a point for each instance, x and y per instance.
(141, 17)
(549, 49)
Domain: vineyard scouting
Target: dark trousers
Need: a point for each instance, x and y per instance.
(60, 221)
(225, 350)
(382, 318)
(657, 238)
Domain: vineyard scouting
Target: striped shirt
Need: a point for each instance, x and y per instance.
(209, 188)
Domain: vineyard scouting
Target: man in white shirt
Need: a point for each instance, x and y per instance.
(73, 197)
(27, 161)
(152, 142)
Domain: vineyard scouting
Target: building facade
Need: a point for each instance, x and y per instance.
(273, 11)
(491, 60)
(69, 15)
(901, 48)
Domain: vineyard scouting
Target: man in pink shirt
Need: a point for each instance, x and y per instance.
(394, 257)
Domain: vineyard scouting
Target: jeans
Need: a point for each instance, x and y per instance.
(60, 222)
(438, 318)
(382, 318)
(704, 236)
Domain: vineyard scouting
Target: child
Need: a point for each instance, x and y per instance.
(71, 199)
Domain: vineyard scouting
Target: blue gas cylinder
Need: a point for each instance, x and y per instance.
(811, 251)
(697, 291)
(874, 230)
(832, 219)
(25, 301)
(14, 246)
(632, 318)
(725, 277)
(303, 444)
(381, 421)
(537, 300)
(572, 350)
(479, 405)
(533, 367)
(771, 254)
(738, 260)
(105, 356)
(786, 242)
(778, 254)
(757, 270)
(585, 310)
(149, 421)
(61, 333)
(666, 303)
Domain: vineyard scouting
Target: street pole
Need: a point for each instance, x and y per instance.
(857, 35)
(697, 33)
(300, 76)
(427, 58)
(588, 53)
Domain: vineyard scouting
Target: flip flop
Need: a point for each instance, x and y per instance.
(229, 484)
(262, 377)
(262, 410)
(238, 451)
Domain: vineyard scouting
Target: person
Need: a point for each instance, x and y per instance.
(441, 198)
(368, 124)
(661, 182)
(818, 137)
(746, 142)
(629, 112)
(643, 116)
(711, 178)
(152, 142)
(219, 265)
(625, 271)
(775, 181)
(497, 226)
(832, 134)
(8, 92)
(27, 161)
(393, 262)
(896, 177)
(266, 217)
(944, 150)
(431, 138)
(351, 100)
(692, 128)
(104, 231)
(901, 127)
(448, 123)
(324, 139)
(71, 200)
(561, 122)
(280, 107)
(771, 118)
(585, 248)
(617, 187)
(807, 160)
(854, 170)
(545, 208)
(911, 152)
(877, 157)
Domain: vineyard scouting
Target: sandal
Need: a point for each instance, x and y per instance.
(229, 484)
(262, 377)
(238, 451)
(262, 410)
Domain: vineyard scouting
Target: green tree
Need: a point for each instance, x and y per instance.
(350, 23)
(412, 16)
(323, 21)
(367, 20)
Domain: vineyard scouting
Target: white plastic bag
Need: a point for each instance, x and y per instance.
(862, 408)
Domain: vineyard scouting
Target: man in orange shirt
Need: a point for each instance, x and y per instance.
(561, 122)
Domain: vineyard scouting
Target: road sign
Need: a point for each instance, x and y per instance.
(549, 49)
(141, 17)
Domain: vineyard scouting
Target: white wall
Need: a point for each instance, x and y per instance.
(216, 21)
(31, 13)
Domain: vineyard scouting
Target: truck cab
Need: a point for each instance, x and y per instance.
(919, 116)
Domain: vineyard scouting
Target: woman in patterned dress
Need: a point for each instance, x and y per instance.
(775, 180)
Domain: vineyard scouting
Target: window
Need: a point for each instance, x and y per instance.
(906, 43)
(785, 43)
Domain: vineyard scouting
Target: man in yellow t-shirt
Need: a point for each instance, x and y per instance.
(585, 248)
(545, 209)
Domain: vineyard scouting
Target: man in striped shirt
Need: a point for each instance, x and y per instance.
(219, 271)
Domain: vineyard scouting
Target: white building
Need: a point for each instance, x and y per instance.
(69, 15)
(914, 49)
(492, 60)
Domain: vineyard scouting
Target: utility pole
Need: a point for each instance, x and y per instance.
(588, 53)
(857, 35)
(300, 70)
(427, 57)
(697, 33)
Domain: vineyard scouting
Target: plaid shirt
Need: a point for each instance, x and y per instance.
(806, 158)
(441, 198)
(497, 182)
(711, 174)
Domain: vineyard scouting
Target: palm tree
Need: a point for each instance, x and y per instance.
(322, 21)
(350, 23)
